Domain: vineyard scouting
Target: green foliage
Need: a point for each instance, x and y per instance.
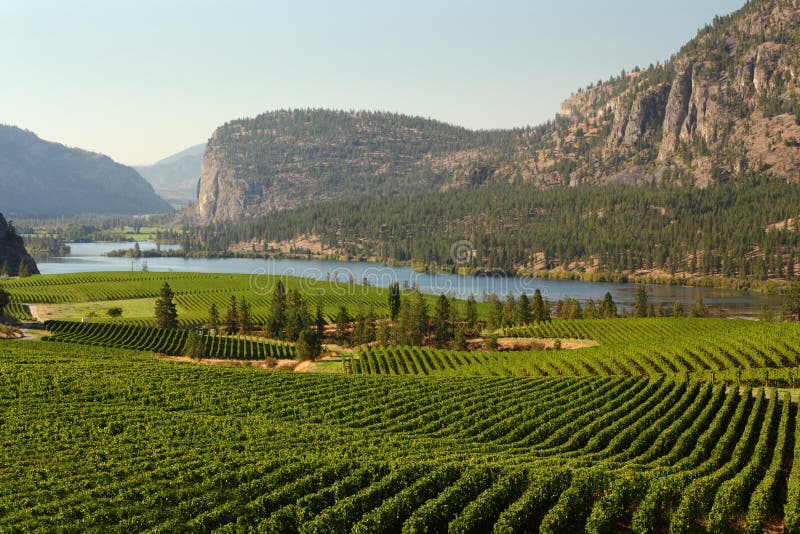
(114, 312)
(615, 226)
(5, 299)
(195, 346)
(166, 313)
(308, 345)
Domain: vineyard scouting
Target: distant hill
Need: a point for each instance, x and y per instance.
(727, 105)
(43, 179)
(12, 250)
(175, 177)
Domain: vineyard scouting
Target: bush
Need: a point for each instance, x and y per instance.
(114, 312)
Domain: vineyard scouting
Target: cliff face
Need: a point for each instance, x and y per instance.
(12, 250)
(285, 159)
(726, 104)
(43, 179)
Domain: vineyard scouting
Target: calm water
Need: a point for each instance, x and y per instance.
(87, 257)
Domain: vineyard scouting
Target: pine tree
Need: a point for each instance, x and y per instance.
(4, 300)
(277, 317)
(677, 309)
(495, 312)
(394, 300)
(245, 317)
(538, 310)
(297, 317)
(524, 314)
(471, 314)
(213, 317)
(195, 347)
(791, 302)
(5, 269)
(442, 328)
(232, 316)
(308, 346)
(166, 313)
(342, 324)
(640, 306)
(24, 270)
(608, 309)
(510, 310)
(319, 321)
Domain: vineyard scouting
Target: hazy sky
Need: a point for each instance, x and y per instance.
(139, 80)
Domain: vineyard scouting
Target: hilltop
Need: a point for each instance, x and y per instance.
(725, 105)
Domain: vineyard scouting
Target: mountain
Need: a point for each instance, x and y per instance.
(12, 250)
(175, 177)
(725, 106)
(43, 179)
(284, 159)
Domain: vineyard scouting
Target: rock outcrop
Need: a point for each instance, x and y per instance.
(727, 104)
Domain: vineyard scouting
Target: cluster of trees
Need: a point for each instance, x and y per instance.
(23, 269)
(724, 230)
(517, 311)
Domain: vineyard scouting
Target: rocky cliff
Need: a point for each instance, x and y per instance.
(12, 250)
(43, 179)
(727, 104)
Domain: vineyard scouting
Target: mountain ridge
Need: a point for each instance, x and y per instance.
(46, 179)
(175, 177)
(724, 106)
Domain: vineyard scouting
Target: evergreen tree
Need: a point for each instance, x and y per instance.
(195, 347)
(510, 310)
(539, 311)
(319, 321)
(471, 314)
(308, 345)
(213, 317)
(677, 309)
(24, 270)
(4, 300)
(640, 306)
(166, 313)
(442, 328)
(245, 321)
(608, 309)
(342, 325)
(421, 319)
(5, 269)
(394, 300)
(297, 317)
(232, 316)
(495, 312)
(791, 302)
(524, 312)
(276, 323)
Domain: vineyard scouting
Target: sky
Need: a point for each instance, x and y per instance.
(140, 80)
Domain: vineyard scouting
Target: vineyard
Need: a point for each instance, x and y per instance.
(194, 294)
(708, 349)
(108, 440)
(165, 341)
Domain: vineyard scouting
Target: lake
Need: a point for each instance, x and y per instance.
(87, 257)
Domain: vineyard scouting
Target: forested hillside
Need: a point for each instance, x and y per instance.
(614, 229)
